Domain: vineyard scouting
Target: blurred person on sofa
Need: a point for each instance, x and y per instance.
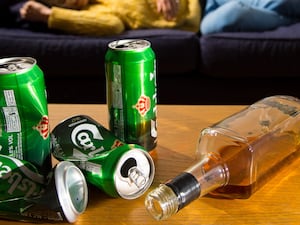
(248, 15)
(110, 17)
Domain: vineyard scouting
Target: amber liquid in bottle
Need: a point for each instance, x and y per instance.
(272, 145)
(235, 157)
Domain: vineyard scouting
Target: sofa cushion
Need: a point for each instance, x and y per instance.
(176, 51)
(245, 54)
(60, 54)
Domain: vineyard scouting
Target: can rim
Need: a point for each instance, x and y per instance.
(19, 68)
(67, 174)
(127, 43)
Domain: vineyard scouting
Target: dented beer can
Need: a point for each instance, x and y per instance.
(131, 91)
(24, 123)
(119, 169)
(26, 195)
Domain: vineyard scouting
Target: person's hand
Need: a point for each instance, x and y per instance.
(168, 8)
(35, 11)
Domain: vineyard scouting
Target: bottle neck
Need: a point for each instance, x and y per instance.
(206, 175)
(186, 188)
(210, 173)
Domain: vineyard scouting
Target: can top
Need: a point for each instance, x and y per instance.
(134, 173)
(71, 189)
(16, 64)
(129, 44)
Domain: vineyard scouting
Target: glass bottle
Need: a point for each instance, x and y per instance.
(235, 157)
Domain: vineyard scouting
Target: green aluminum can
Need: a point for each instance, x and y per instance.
(24, 123)
(131, 91)
(119, 169)
(26, 195)
(126, 171)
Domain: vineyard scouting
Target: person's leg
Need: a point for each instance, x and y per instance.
(212, 5)
(288, 8)
(238, 16)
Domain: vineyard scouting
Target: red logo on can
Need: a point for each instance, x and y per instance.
(116, 144)
(43, 127)
(143, 105)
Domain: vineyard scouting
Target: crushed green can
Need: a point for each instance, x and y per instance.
(119, 169)
(26, 195)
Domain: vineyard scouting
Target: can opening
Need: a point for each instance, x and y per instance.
(129, 170)
(134, 172)
(121, 46)
(128, 164)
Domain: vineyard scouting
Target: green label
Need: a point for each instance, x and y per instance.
(81, 137)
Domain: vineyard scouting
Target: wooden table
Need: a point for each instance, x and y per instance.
(278, 202)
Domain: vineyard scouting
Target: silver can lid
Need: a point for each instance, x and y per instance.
(16, 64)
(71, 189)
(129, 44)
(134, 173)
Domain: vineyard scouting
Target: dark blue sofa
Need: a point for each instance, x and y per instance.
(224, 68)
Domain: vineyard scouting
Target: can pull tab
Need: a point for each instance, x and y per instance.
(137, 177)
(15, 66)
(131, 171)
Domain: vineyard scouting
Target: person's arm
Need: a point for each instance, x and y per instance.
(68, 4)
(93, 20)
(35, 12)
